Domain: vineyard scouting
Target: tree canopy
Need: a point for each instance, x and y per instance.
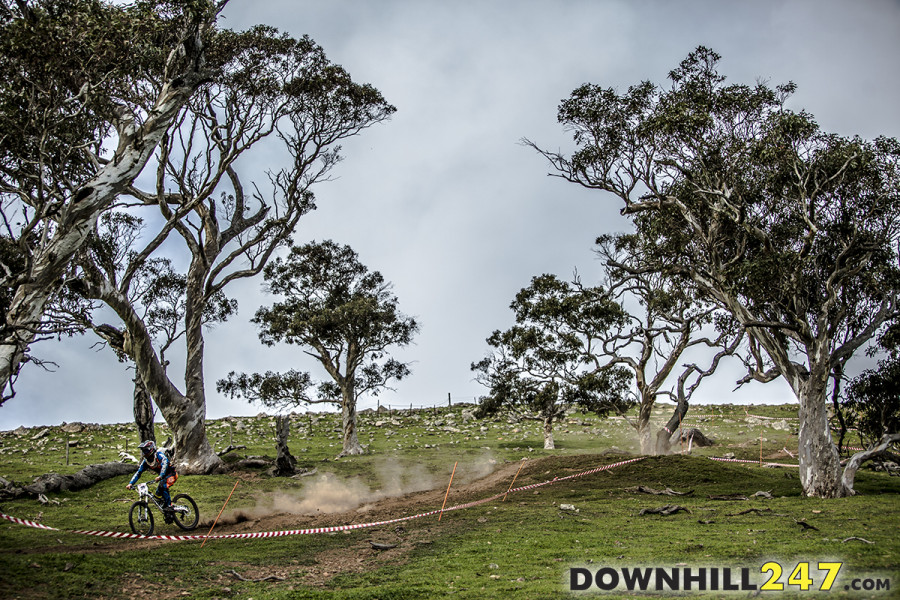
(87, 91)
(871, 404)
(548, 362)
(263, 85)
(791, 229)
(342, 315)
(96, 93)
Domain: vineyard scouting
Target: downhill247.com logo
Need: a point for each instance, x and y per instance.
(771, 577)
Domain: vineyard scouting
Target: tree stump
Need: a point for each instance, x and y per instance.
(285, 463)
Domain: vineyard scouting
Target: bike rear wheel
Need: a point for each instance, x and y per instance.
(140, 518)
(185, 512)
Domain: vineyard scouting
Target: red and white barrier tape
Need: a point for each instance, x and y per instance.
(271, 534)
(774, 418)
(27, 523)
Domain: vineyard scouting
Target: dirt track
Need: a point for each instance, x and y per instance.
(358, 554)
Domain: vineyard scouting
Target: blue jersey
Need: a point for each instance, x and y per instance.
(161, 465)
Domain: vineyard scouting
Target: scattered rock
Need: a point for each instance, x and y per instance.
(42, 434)
(381, 546)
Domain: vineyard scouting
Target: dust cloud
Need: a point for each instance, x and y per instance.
(327, 493)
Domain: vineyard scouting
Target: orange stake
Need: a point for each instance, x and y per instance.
(513, 481)
(448, 490)
(220, 514)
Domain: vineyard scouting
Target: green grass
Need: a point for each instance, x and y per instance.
(521, 548)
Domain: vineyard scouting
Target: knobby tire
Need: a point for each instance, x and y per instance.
(142, 528)
(189, 521)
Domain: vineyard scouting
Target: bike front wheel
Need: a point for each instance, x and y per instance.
(140, 518)
(185, 512)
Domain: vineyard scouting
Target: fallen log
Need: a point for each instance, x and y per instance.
(54, 482)
(251, 463)
(728, 497)
(649, 490)
(242, 578)
(230, 448)
(668, 509)
(759, 511)
(380, 546)
(859, 539)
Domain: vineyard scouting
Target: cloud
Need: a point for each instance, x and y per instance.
(446, 203)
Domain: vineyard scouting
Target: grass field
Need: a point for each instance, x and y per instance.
(523, 547)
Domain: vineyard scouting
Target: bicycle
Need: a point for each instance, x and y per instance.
(184, 512)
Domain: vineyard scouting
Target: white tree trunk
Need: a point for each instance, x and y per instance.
(548, 434)
(820, 467)
(648, 443)
(196, 455)
(193, 454)
(77, 220)
(849, 476)
(664, 435)
(143, 411)
(820, 472)
(186, 416)
(350, 442)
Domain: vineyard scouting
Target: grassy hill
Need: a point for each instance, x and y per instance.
(523, 547)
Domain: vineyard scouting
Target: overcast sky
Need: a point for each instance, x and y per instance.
(445, 201)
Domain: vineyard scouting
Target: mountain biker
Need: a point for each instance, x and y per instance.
(157, 460)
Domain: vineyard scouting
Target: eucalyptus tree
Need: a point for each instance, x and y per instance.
(607, 348)
(790, 229)
(269, 91)
(343, 316)
(87, 91)
(547, 363)
(666, 324)
(871, 404)
(156, 292)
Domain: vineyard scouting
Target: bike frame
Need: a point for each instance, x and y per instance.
(145, 495)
